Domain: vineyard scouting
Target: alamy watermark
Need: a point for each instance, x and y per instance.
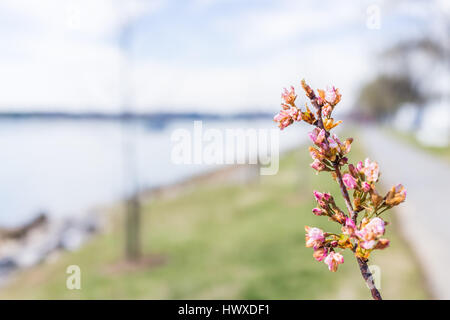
(373, 21)
(376, 276)
(227, 146)
(73, 281)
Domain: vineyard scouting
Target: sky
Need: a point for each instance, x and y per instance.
(193, 55)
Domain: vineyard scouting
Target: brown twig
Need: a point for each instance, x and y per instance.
(344, 192)
(367, 275)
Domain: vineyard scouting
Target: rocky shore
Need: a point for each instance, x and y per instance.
(41, 238)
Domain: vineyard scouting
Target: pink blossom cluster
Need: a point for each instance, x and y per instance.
(289, 112)
(315, 238)
(329, 154)
(329, 149)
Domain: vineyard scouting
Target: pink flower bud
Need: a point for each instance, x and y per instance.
(371, 170)
(349, 181)
(376, 225)
(349, 227)
(333, 259)
(346, 146)
(366, 187)
(283, 118)
(317, 136)
(294, 113)
(333, 142)
(350, 223)
(289, 96)
(360, 167)
(330, 94)
(368, 244)
(318, 195)
(287, 116)
(322, 198)
(320, 254)
(317, 165)
(317, 211)
(371, 231)
(336, 138)
(314, 237)
(316, 154)
(326, 111)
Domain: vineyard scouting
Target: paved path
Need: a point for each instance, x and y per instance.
(425, 218)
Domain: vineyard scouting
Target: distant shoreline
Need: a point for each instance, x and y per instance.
(126, 116)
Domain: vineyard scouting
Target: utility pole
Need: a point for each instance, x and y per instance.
(129, 149)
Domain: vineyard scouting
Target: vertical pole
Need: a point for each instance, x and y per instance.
(132, 203)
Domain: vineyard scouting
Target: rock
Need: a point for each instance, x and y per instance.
(21, 232)
(33, 243)
(7, 265)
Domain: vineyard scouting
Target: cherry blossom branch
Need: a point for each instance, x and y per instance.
(360, 237)
(363, 267)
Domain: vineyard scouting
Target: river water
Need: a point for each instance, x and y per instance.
(67, 167)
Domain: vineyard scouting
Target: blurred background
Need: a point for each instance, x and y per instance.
(91, 93)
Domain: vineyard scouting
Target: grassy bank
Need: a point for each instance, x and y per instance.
(226, 241)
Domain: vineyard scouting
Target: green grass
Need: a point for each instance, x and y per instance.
(442, 152)
(227, 242)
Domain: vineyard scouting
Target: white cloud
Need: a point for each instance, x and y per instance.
(256, 86)
(270, 27)
(62, 55)
(280, 59)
